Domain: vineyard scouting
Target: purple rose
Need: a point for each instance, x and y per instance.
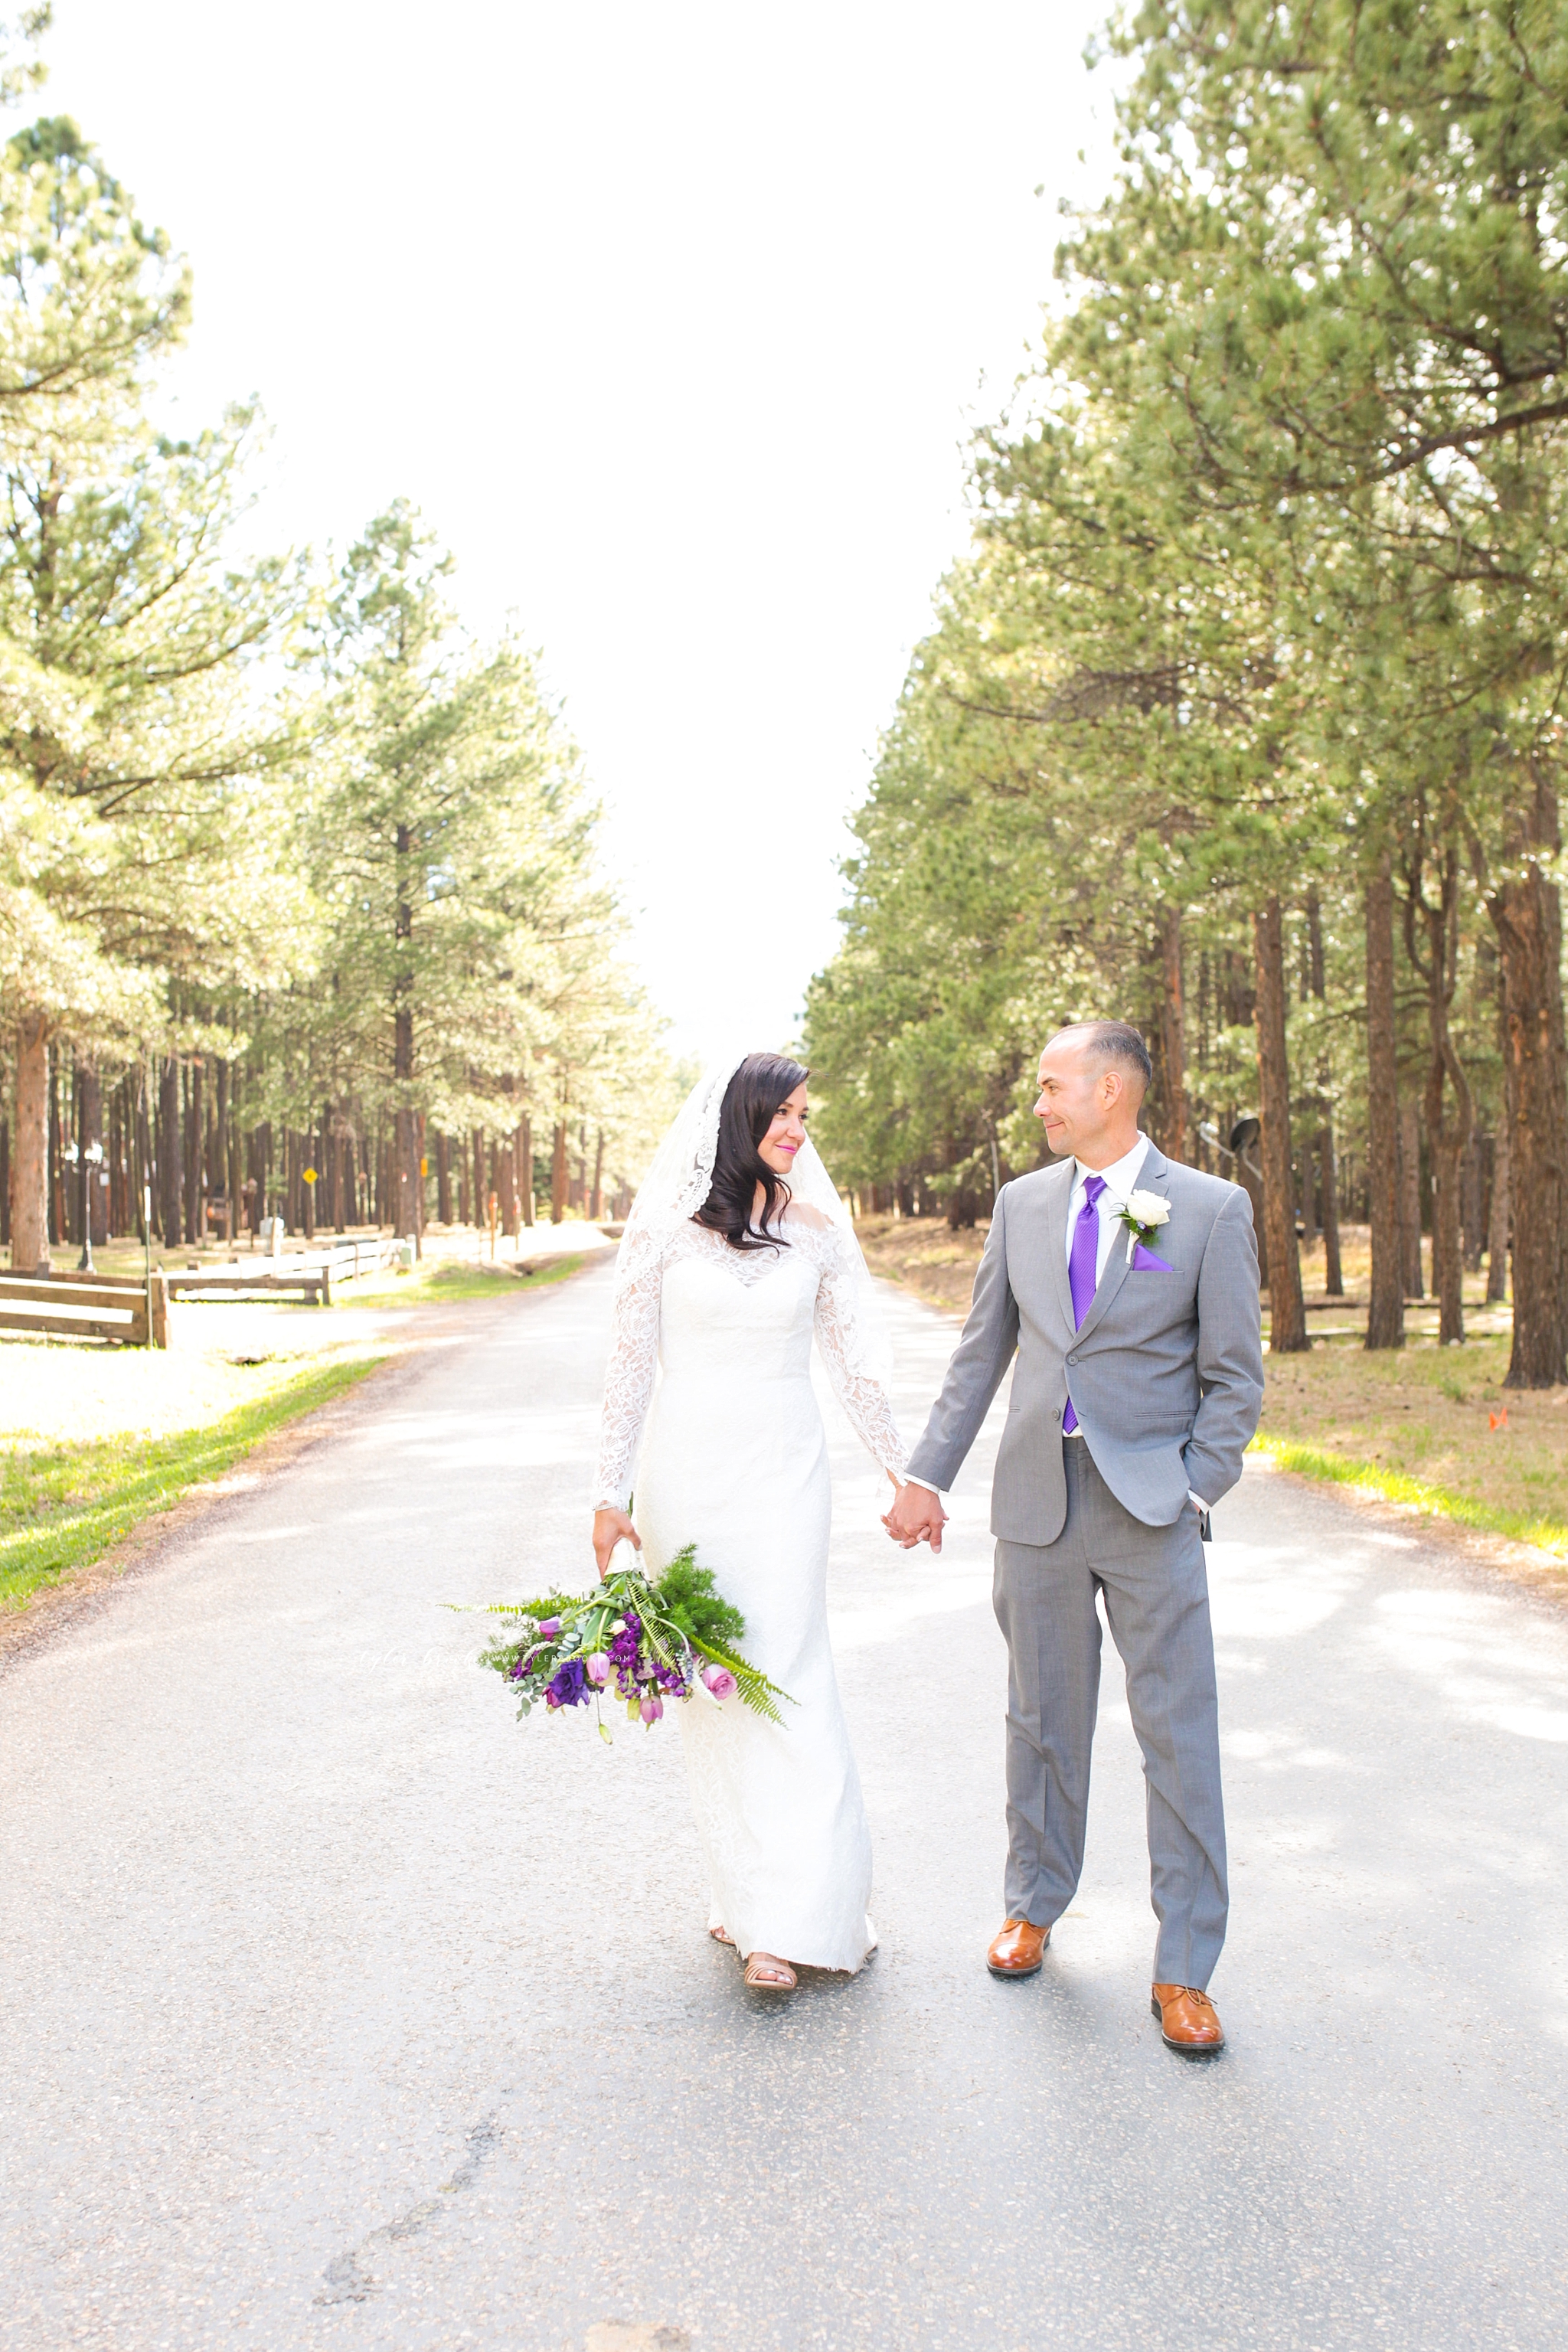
(569, 1686)
(719, 1681)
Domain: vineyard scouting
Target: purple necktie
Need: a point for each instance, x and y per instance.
(1083, 1268)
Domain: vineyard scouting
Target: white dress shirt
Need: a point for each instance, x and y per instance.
(1121, 1179)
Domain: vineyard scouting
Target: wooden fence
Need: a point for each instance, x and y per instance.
(310, 1273)
(88, 1306)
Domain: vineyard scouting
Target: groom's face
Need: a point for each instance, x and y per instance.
(1077, 1100)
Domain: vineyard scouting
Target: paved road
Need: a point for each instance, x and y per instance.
(342, 2013)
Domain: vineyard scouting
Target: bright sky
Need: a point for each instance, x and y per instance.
(673, 320)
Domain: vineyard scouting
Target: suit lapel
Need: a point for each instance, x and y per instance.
(1057, 1205)
(1118, 1266)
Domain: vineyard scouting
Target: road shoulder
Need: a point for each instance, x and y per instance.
(81, 1594)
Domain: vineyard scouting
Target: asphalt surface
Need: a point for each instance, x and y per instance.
(340, 2011)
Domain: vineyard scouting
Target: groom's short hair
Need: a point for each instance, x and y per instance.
(1114, 1041)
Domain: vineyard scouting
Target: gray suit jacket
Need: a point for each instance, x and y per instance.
(1166, 1373)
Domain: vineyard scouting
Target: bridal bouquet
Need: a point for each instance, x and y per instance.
(640, 1642)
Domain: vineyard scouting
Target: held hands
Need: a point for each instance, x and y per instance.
(609, 1528)
(916, 1517)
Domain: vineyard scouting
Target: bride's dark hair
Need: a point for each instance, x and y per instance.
(759, 1086)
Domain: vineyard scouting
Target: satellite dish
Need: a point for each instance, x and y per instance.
(1244, 1134)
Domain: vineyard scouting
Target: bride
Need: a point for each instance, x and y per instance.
(738, 1250)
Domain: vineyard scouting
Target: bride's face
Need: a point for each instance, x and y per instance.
(785, 1134)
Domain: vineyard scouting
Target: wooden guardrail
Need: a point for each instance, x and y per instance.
(88, 1306)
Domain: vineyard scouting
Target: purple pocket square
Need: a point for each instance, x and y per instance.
(1146, 1262)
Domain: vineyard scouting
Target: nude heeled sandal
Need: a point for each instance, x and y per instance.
(783, 1981)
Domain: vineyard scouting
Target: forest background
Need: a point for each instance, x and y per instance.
(301, 907)
(1243, 716)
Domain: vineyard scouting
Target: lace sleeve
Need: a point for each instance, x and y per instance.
(838, 1336)
(628, 1377)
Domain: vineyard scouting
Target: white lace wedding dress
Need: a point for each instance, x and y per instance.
(734, 1459)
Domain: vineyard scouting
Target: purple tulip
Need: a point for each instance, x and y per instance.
(719, 1681)
(598, 1667)
(549, 1627)
(652, 1709)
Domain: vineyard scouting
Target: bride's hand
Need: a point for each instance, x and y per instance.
(917, 1516)
(609, 1528)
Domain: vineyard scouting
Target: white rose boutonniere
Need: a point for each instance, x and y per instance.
(1143, 1213)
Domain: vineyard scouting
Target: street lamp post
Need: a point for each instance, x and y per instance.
(86, 1165)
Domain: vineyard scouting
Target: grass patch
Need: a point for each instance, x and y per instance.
(1395, 1487)
(438, 1282)
(64, 1503)
(1427, 1426)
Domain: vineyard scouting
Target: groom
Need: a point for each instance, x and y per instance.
(1128, 1286)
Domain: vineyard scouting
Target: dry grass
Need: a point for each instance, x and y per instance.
(1422, 1425)
(922, 1253)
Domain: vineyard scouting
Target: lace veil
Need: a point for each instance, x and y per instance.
(681, 1176)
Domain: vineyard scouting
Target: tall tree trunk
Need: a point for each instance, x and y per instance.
(596, 1205)
(444, 1178)
(1172, 1036)
(1286, 1314)
(406, 1178)
(1447, 1253)
(235, 1177)
(525, 1133)
(1527, 915)
(1410, 1195)
(59, 1213)
(558, 1175)
(172, 1168)
(30, 1158)
(222, 1155)
(196, 1205)
(481, 1217)
(1432, 942)
(1499, 1223)
(1472, 1191)
(1328, 1194)
(1328, 1178)
(1249, 1176)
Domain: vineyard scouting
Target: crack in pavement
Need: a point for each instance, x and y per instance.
(347, 2278)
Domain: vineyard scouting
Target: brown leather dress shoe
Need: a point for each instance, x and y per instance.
(1188, 2020)
(1018, 1950)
